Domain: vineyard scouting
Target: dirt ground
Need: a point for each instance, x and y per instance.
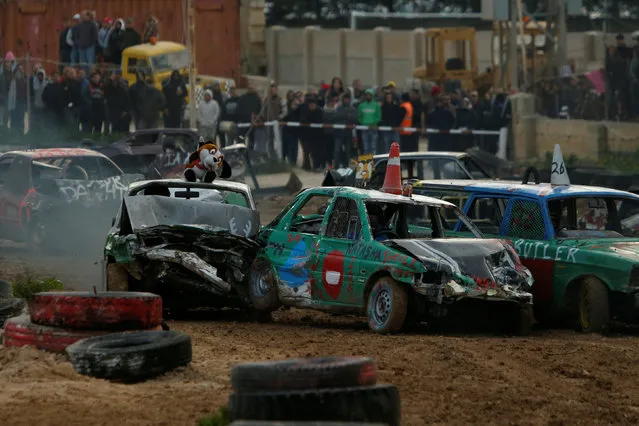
(552, 377)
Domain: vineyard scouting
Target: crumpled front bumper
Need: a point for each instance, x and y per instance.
(194, 264)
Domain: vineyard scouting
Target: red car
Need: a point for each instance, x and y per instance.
(58, 197)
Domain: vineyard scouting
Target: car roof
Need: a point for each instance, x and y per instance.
(218, 184)
(57, 152)
(541, 190)
(424, 154)
(159, 48)
(374, 195)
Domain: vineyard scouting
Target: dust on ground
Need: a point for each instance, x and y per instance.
(550, 377)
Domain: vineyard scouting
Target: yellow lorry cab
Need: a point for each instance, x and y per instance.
(158, 59)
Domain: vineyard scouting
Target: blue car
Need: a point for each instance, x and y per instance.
(581, 243)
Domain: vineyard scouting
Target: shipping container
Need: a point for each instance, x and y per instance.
(34, 26)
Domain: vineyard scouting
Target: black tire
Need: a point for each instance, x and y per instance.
(387, 306)
(305, 373)
(5, 289)
(524, 320)
(375, 404)
(593, 309)
(131, 356)
(10, 308)
(262, 287)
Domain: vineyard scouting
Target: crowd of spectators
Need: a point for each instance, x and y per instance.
(86, 40)
(334, 103)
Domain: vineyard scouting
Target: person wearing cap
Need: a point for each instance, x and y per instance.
(71, 37)
(151, 28)
(116, 92)
(369, 113)
(104, 33)
(208, 116)
(85, 38)
(391, 87)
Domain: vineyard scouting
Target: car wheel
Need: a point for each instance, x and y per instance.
(387, 306)
(263, 287)
(593, 310)
(117, 278)
(36, 235)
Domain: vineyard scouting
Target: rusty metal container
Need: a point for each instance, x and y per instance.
(34, 26)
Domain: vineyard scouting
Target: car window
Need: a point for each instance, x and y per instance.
(309, 216)
(426, 169)
(475, 171)
(593, 217)
(526, 220)
(450, 169)
(629, 216)
(457, 198)
(486, 213)
(107, 168)
(344, 221)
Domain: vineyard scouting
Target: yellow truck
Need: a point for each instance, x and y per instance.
(158, 59)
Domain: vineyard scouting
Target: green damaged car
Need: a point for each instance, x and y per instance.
(364, 252)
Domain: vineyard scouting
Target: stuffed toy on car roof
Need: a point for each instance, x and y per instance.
(207, 164)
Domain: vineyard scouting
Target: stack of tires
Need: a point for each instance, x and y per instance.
(333, 389)
(9, 306)
(58, 319)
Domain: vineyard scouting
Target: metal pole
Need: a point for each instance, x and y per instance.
(563, 34)
(27, 66)
(524, 61)
(512, 47)
(192, 76)
(607, 94)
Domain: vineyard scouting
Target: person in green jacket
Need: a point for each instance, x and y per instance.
(369, 113)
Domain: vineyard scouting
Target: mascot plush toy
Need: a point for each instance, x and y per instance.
(206, 164)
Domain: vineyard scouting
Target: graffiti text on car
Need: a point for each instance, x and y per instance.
(363, 251)
(97, 190)
(540, 250)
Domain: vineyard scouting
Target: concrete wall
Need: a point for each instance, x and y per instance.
(534, 135)
(302, 57)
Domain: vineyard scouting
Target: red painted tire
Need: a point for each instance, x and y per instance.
(20, 331)
(109, 310)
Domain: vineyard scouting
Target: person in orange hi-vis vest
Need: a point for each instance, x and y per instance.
(406, 138)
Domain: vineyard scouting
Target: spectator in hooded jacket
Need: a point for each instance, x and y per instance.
(208, 116)
(151, 103)
(116, 92)
(113, 51)
(14, 89)
(391, 117)
(98, 103)
(369, 113)
(345, 113)
(38, 119)
(175, 94)
(230, 110)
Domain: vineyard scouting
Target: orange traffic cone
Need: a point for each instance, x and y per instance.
(393, 178)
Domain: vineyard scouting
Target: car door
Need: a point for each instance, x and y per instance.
(15, 188)
(336, 270)
(527, 224)
(296, 243)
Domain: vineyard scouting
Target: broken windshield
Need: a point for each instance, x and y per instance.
(594, 217)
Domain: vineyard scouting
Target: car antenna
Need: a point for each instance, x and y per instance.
(558, 171)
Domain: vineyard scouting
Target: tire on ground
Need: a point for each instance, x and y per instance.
(387, 306)
(131, 356)
(593, 309)
(263, 287)
(375, 404)
(6, 289)
(20, 331)
(10, 308)
(524, 320)
(305, 373)
(113, 311)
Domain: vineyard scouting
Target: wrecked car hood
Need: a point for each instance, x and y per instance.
(149, 211)
(475, 266)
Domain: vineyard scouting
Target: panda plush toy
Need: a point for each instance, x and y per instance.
(207, 164)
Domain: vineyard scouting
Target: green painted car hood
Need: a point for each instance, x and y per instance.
(625, 248)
